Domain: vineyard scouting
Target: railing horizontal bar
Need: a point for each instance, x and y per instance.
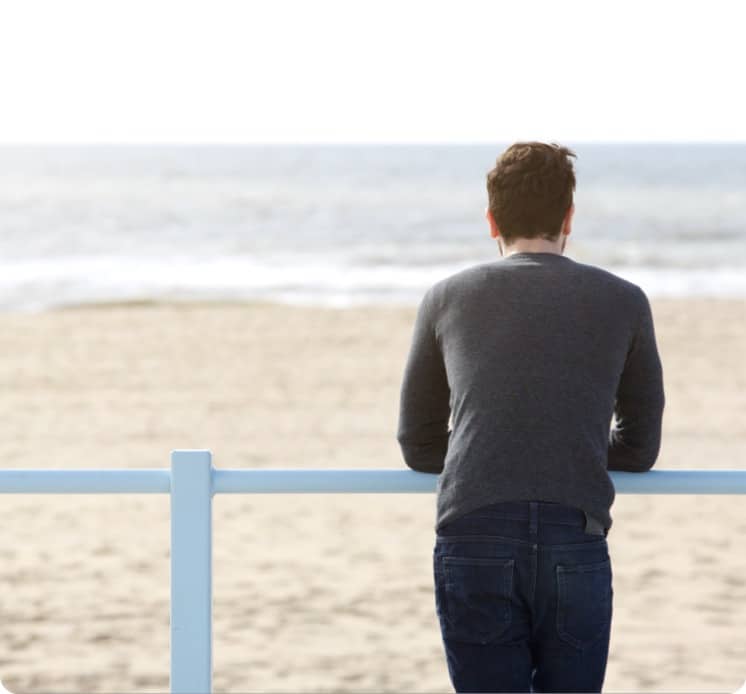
(301, 480)
(324, 481)
(130, 481)
(239, 481)
(680, 482)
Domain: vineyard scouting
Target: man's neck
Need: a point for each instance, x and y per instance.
(534, 246)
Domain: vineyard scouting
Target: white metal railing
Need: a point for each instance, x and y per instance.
(192, 481)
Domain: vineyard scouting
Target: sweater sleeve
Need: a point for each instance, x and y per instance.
(424, 407)
(634, 441)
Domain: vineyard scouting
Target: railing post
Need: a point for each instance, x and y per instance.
(191, 572)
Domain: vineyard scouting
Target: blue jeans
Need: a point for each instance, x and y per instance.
(524, 599)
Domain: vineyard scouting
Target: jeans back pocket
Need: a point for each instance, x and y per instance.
(584, 602)
(474, 597)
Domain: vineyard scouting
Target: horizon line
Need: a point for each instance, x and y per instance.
(351, 143)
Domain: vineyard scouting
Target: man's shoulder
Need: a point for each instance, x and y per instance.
(456, 280)
(616, 284)
(469, 275)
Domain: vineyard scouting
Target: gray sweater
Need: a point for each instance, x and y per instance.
(530, 356)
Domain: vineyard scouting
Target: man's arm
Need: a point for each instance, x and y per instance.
(424, 406)
(635, 440)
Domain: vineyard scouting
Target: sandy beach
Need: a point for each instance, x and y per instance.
(319, 593)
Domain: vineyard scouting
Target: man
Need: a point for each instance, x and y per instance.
(549, 371)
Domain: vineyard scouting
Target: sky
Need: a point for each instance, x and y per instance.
(359, 71)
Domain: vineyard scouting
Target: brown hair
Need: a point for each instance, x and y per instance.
(530, 190)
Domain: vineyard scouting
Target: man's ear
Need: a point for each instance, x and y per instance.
(567, 224)
(494, 231)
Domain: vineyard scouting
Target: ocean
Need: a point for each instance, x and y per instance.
(341, 225)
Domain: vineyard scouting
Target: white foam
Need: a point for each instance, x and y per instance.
(37, 284)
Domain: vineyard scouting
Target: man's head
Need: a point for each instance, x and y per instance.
(530, 193)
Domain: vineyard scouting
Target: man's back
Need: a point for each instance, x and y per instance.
(529, 355)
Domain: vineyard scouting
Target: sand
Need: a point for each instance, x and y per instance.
(319, 593)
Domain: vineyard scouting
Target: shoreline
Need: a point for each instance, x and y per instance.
(341, 305)
(273, 302)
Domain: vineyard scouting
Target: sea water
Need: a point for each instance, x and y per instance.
(343, 224)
